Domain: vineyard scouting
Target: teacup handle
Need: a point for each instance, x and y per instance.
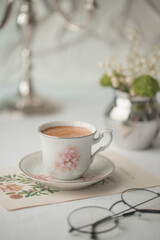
(96, 140)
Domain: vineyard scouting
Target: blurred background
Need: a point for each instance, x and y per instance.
(61, 57)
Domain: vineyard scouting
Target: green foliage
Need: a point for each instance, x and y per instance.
(118, 75)
(123, 87)
(105, 81)
(145, 86)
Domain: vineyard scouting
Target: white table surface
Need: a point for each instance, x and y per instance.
(18, 137)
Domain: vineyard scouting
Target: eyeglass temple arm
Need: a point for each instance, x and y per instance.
(149, 211)
(117, 216)
(155, 211)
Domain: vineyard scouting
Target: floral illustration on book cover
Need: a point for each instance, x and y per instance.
(18, 186)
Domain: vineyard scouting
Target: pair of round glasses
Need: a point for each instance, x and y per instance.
(94, 220)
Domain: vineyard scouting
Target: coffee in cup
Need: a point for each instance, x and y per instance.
(67, 131)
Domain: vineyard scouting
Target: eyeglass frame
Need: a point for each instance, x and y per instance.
(116, 216)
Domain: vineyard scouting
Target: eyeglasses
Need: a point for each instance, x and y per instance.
(94, 220)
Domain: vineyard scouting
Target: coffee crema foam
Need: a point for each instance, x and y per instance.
(66, 131)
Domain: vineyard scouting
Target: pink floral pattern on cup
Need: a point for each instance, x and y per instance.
(68, 159)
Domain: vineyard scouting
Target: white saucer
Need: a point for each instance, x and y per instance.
(32, 166)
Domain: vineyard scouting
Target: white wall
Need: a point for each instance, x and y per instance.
(62, 57)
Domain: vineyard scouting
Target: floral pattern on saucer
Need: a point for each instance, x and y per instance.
(48, 178)
(68, 159)
(44, 178)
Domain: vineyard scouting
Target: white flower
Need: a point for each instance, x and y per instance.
(101, 65)
(153, 72)
(110, 73)
(154, 59)
(143, 60)
(129, 80)
(114, 82)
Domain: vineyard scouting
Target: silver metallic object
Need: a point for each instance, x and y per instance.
(89, 5)
(135, 120)
(26, 101)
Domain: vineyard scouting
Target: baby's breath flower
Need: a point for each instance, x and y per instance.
(108, 64)
(158, 52)
(154, 59)
(153, 72)
(110, 73)
(137, 69)
(132, 93)
(129, 80)
(114, 82)
(143, 60)
(101, 65)
(136, 65)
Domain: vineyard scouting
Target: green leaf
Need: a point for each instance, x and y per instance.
(37, 186)
(21, 192)
(28, 195)
(105, 81)
(25, 192)
(8, 176)
(43, 189)
(33, 194)
(123, 87)
(52, 191)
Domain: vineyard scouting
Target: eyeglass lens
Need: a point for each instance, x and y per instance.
(83, 219)
(141, 198)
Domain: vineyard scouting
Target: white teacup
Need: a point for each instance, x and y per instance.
(67, 155)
